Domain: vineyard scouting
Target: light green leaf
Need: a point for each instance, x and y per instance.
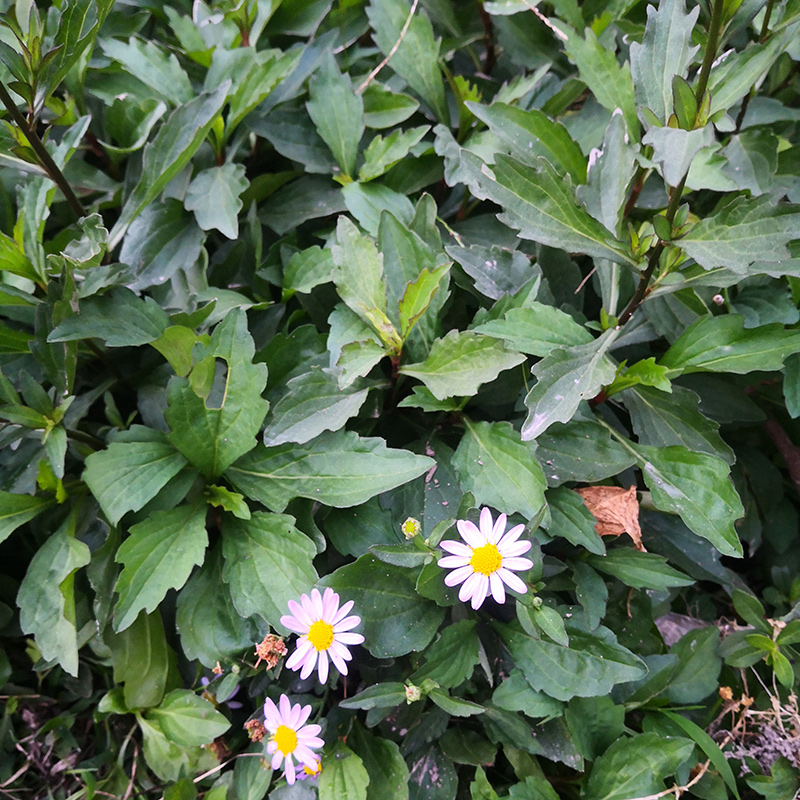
(455, 706)
(357, 359)
(188, 720)
(416, 57)
(343, 775)
(338, 113)
(17, 509)
(127, 475)
(176, 345)
(452, 658)
(213, 196)
(723, 344)
(395, 620)
(159, 555)
(267, 563)
(388, 773)
(496, 270)
(379, 695)
(460, 362)
(169, 152)
(313, 403)
(591, 665)
(531, 134)
(516, 694)
(214, 430)
(564, 378)
(418, 296)
(338, 469)
(674, 148)
(384, 108)
(536, 329)
(128, 122)
(119, 318)
(698, 488)
(499, 468)
(382, 154)
(745, 230)
(167, 760)
(639, 570)
(221, 497)
(665, 51)
(634, 767)
(547, 620)
(46, 600)
(641, 373)
(306, 269)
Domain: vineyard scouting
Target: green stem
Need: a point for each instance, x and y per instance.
(762, 37)
(714, 29)
(45, 159)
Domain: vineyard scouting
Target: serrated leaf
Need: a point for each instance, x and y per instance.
(665, 51)
(416, 57)
(213, 196)
(339, 469)
(17, 509)
(675, 149)
(313, 403)
(460, 362)
(639, 570)
(127, 475)
(158, 555)
(532, 134)
(382, 154)
(46, 601)
(188, 720)
(698, 488)
(395, 620)
(536, 329)
(418, 296)
(451, 659)
(564, 378)
(499, 468)
(220, 497)
(723, 344)
(743, 231)
(119, 318)
(213, 437)
(338, 113)
(267, 563)
(343, 775)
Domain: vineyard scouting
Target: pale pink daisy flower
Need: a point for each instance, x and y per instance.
(290, 738)
(324, 633)
(485, 562)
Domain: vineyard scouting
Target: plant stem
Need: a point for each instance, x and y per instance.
(762, 37)
(45, 159)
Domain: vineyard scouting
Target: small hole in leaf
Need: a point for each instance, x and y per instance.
(216, 397)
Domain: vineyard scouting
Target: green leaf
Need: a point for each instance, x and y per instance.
(591, 665)
(499, 468)
(221, 497)
(17, 509)
(750, 609)
(663, 420)
(416, 57)
(698, 488)
(699, 664)
(723, 344)
(313, 403)
(610, 82)
(573, 520)
(343, 775)
(338, 469)
(580, 451)
(634, 767)
(46, 600)
(395, 620)
(338, 113)
(451, 659)
(379, 695)
(382, 154)
(306, 269)
(128, 123)
(119, 318)
(665, 51)
(210, 627)
(213, 431)
(516, 694)
(159, 555)
(531, 134)
(418, 296)
(454, 706)
(639, 570)
(591, 591)
(496, 270)
(170, 151)
(537, 329)
(143, 661)
(388, 773)
(564, 378)
(267, 563)
(675, 149)
(460, 362)
(534, 788)
(127, 475)
(188, 720)
(547, 620)
(213, 196)
(176, 345)
(595, 723)
(167, 760)
(384, 108)
(743, 231)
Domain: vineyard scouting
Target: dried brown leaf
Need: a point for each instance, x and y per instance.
(616, 511)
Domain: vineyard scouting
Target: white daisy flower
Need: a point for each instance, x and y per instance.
(290, 738)
(323, 629)
(485, 562)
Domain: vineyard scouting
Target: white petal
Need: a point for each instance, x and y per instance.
(486, 524)
(458, 575)
(470, 533)
(514, 549)
(468, 587)
(512, 581)
(347, 623)
(338, 661)
(342, 612)
(517, 563)
(479, 595)
(348, 638)
(498, 529)
(498, 591)
(308, 664)
(289, 770)
(457, 548)
(323, 667)
(448, 562)
(513, 534)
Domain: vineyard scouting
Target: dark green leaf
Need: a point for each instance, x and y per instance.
(380, 695)
(17, 509)
(451, 659)
(343, 775)
(388, 773)
(639, 570)
(213, 196)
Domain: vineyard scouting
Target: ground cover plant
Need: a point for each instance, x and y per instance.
(399, 400)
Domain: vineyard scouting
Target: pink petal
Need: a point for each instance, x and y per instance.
(479, 595)
(299, 613)
(323, 666)
(448, 562)
(498, 529)
(347, 623)
(289, 770)
(276, 759)
(340, 650)
(511, 580)
(330, 604)
(338, 661)
(469, 586)
(285, 708)
(458, 575)
(294, 624)
(342, 612)
(457, 548)
(498, 590)
(348, 638)
(512, 535)
(470, 533)
(514, 549)
(517, 563)
(486, 524)
(308, 664)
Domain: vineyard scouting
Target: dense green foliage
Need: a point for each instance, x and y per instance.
(276, 277)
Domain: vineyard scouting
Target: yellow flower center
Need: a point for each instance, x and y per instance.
(320, 634)
(486, 559)
(286, 739)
